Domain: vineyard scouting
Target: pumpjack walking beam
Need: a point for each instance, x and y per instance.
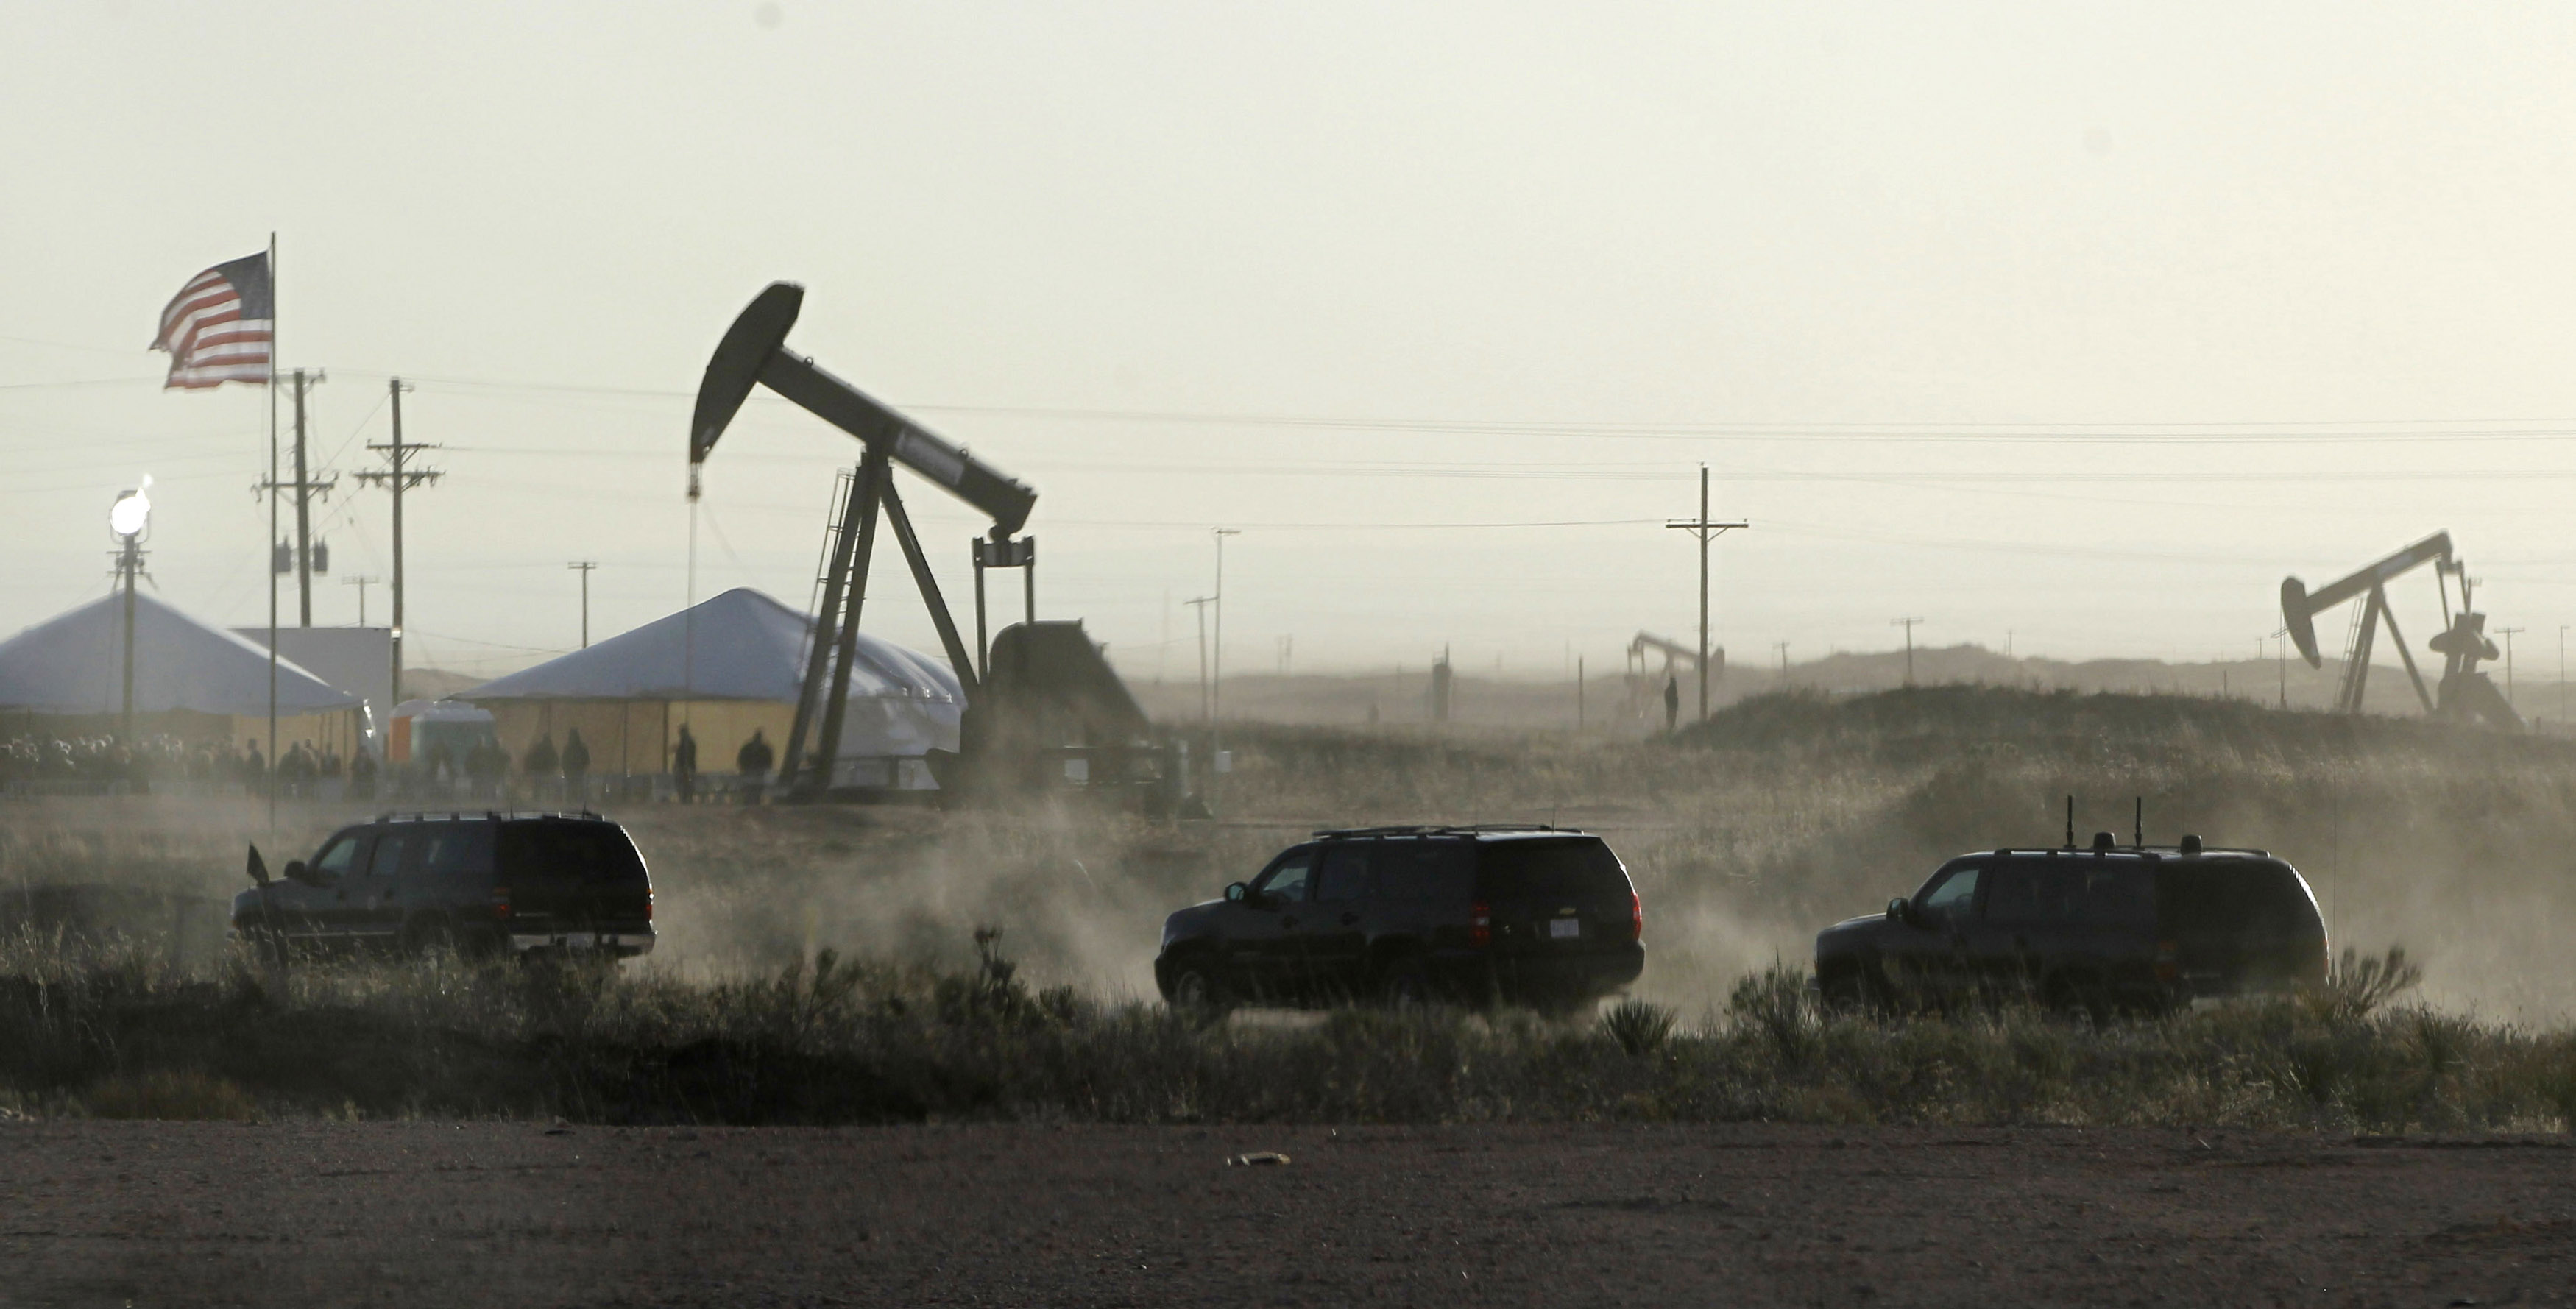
(754, 352)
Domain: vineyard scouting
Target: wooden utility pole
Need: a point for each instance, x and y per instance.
(1702, 528)
(584, 567)
(397, 476)
(305, 486)
(1908, 625)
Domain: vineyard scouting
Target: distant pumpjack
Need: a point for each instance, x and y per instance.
(2464, 692)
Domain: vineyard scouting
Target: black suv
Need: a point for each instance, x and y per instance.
(2100, 930)
(1526, 914)
(478, 883)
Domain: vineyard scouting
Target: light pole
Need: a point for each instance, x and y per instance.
(1216, 662)
(2508, 634)
(2562, 674)
(2281, 653)
(1199, 606)
(126, 520)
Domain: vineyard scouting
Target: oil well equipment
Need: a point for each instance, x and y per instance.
(1052, 713)
(2463, 692)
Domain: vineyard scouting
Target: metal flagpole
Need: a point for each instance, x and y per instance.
(268, 548)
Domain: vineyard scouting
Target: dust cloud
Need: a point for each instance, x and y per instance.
(1786, 814)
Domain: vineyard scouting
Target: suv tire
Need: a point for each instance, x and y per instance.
(427, 935)
(1405, 983)
(1197, 989)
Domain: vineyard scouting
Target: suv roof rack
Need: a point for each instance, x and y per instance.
(2146, 851)
(1441, 829)
(459, 815)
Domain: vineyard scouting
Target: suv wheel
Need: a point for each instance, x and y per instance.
(429, 934)
(1196, 988)
(1406, 984)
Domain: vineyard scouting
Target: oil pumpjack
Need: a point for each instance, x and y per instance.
(2463, 693)
(1049, 697)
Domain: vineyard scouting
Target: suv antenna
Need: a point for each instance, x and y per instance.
(2070, 822)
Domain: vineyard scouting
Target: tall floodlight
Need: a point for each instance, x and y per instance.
(127, 520)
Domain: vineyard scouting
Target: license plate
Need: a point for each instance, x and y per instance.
(1562, 928)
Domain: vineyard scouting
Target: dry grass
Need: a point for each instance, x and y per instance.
(1746, 836)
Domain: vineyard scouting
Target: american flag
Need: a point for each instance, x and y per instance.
(217, 328)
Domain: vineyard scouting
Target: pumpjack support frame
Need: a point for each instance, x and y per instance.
(754, 353)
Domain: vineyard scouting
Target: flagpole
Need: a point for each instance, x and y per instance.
(269, 546)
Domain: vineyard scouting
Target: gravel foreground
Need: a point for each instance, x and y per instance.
(307, 1213)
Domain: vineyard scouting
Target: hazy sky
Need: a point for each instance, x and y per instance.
(2086, 323)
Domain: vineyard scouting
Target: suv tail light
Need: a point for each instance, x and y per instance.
(1480, 924)
(1636, 917)
(648, 906)
(500, 902)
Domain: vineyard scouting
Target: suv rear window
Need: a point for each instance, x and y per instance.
(569, 851)
(2233, 895)
(1579, 869)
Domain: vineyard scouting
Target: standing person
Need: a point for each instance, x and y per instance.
(753, 763)
(576, 766)
(541, 764)
(362, 775)
(1672, 704)
(684, 767)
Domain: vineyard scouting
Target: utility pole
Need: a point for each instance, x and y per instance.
(398, 476)
(362, 583)
(1908, 625)
(1702, 528)
(584, 568)
(2562, 674)
(1578, 693)
(2508, 634)
(304, 489)
(302, 382)
(1783, 648)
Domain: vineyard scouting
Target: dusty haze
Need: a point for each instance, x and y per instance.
(2073, 328)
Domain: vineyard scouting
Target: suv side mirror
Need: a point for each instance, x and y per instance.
(298, 871)
(1900, 910)
(1237, 893)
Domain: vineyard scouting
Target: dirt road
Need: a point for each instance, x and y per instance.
(494, 1213)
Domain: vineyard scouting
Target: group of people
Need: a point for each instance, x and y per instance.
(751, 767)
(160, 757)
(483, 767)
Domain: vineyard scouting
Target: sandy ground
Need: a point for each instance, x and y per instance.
(509, 1213)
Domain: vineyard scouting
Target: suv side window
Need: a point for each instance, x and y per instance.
(2025, 895)
(388, 855)
(1422, 872)
(1287, 878)
(340, 855)
(1345, 872)
(1951, 896)
(451, 850)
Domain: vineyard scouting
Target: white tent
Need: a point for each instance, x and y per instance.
(75, 664)
(732, 664)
